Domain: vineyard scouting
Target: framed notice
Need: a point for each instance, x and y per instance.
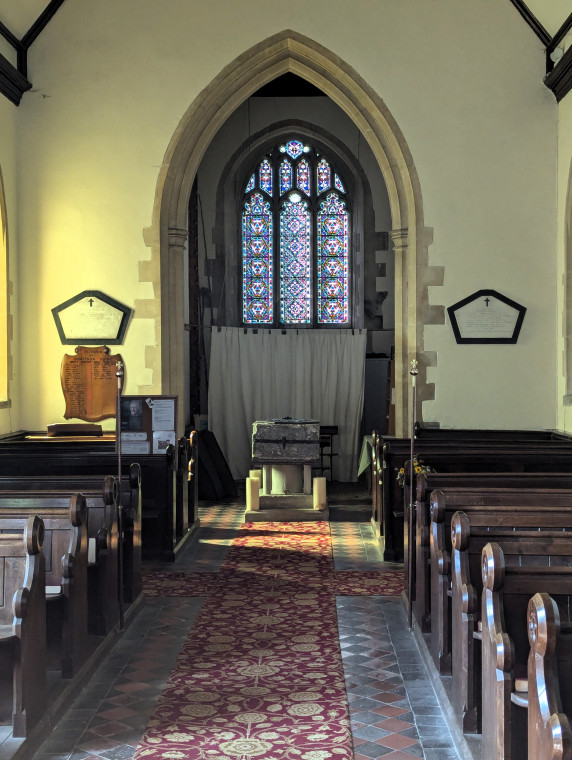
(148, 424)
(486, 317)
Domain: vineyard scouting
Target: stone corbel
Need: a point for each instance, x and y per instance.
(400, 239)
(177, 240)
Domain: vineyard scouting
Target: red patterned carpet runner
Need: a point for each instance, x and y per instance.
(260, 675)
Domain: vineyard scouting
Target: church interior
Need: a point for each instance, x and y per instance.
(352, 222)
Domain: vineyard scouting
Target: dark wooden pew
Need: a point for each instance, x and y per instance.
(507, 590)
(448, 481)
(158, 482)
(65, 552)
(187, 484)
(100, 524)
(474, 434)
(535, 535)
(549, 682)
(23, 694)
(492, 509)
(485, 454)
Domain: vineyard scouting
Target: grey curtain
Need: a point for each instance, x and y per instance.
(310, 374)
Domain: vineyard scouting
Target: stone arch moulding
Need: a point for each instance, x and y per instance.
(289, 51)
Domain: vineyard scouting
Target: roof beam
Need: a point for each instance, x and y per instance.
(14, 81)
(41, 22)
(559, 80)
(532, 21)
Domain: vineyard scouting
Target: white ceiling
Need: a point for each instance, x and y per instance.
(19, 15)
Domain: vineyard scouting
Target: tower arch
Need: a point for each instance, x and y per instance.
(288, 51)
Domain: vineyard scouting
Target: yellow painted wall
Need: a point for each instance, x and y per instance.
(564, 254)
(112, 80)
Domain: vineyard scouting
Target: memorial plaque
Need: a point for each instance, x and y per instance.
(91, 318)
(89, 383)
(486, 317)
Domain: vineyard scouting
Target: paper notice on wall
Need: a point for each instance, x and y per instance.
(163, 413)
(135, 447)
(162, 439)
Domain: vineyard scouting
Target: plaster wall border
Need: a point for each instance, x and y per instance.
(287, 51)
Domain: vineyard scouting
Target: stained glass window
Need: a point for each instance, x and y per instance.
(303, 176)
(285, 176)
(332, 245)
(295, 240)
(324, 176)
(294, 148)
(295, 266)
(266, 176)
(257, 249)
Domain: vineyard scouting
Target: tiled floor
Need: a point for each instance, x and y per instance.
(394, 710)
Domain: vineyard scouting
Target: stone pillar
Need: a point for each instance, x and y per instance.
(403, 294)
(267, 479)
(173, 320)
(307, 479)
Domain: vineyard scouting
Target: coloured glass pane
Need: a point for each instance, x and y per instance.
(294, 148)
(250, 185)
(333, 261)
(339, 184)
(303, 176)
(324, 174)
(285, 176)
(257, 262)
(265, 172)
(295, 261)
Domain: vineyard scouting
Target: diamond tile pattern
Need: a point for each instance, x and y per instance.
(393, 707)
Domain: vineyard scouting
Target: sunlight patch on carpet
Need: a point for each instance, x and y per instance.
(260, 675)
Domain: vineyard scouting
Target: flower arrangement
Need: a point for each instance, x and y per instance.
(418, 466)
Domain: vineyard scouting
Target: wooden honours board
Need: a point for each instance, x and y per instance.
(89, 383)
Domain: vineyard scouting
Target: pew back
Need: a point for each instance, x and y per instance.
(23, 692)
(487, 454)
(506, 593)
(65, 570)
(159, 473)
(549, 681)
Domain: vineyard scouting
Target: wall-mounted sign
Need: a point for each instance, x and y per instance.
(148, 424)
(91, 318)
(486, 317)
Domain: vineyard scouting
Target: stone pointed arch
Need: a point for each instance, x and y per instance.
(285, 52)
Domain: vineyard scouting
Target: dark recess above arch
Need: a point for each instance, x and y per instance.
(289, 86)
